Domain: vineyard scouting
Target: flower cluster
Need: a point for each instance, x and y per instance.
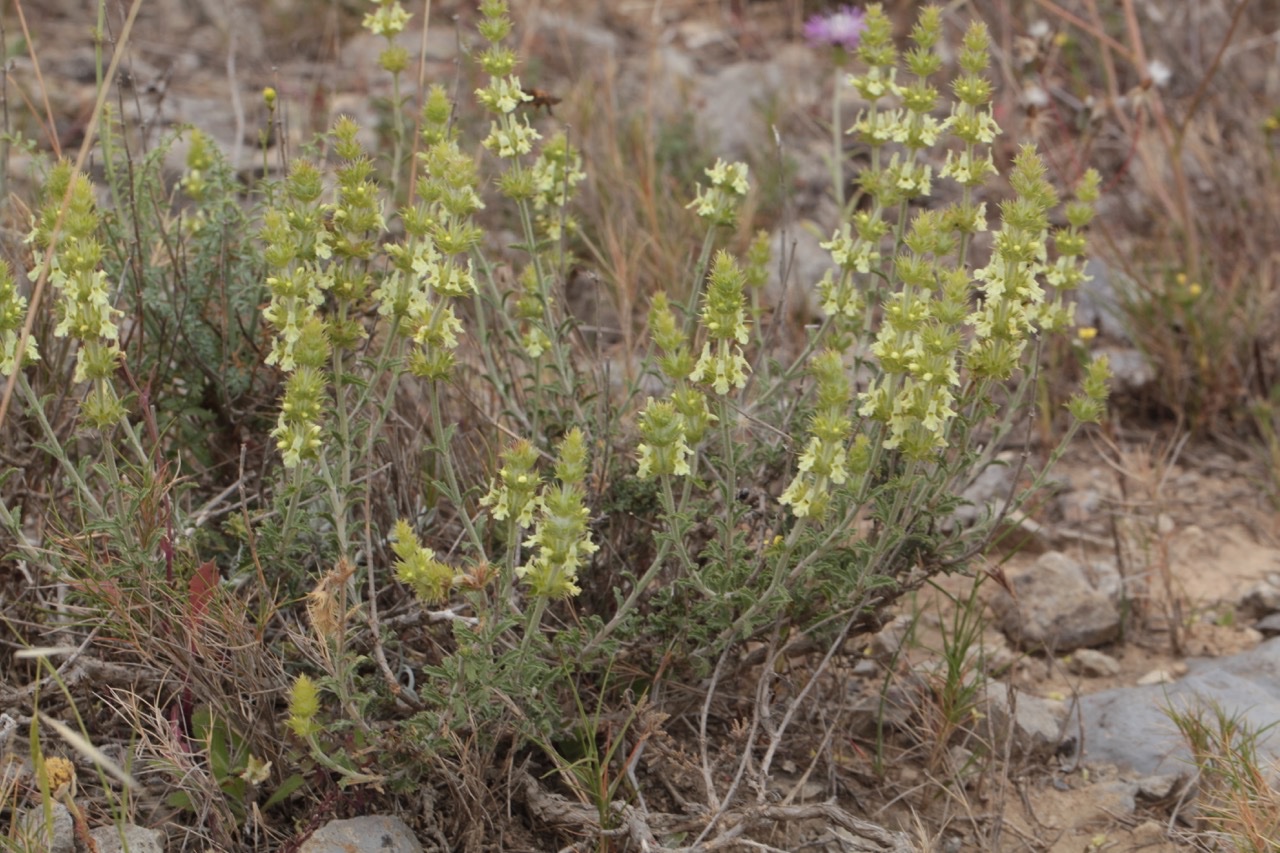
(724, 318)
(388, 20)
(670, 429)
(823, 462)
(973, 123)
(1012, 296)
(855, 252)
(509, 135)
(13, 309)
(418, 568)
(514, 492)
(531, 310)
(560, 538)
(85, 312)
(201, 157)
(556, 173)
(432, 266)
(297, 244)
(665, 450)
(304, 705)
(718, 203)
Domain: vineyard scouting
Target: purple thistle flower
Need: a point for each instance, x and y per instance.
(841, 28)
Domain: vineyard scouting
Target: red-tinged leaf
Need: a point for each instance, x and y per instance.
(200, 592)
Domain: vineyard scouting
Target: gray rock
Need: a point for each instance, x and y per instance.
(1161, 786)
(128, 839)
(1129, 727)
(1037, 724)
(1099, 305)
(370, 834)
(731, 103)
(807, 262)
(1093, 663)
(1115, 797)
(1056, 607)
(1131, 372)
(1269, 625)
(33, 830)
(1104, 576)
(887, 643)
(1260, 599)
(988, 491)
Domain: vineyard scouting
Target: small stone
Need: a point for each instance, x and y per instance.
(1260, 599)
(1160, 786)
(1056, 607)
(1116, 797)
(32, 829)
(1269, 625)
(128, 839)
(886, 644)
(1093, 663)
(369, 834)
(1036, 723)
(1161, 675)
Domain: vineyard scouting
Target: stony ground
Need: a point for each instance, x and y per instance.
(1165, 556)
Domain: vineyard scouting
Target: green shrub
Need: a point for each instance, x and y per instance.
(443, 430)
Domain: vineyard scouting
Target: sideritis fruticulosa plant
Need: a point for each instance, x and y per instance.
(929, 338)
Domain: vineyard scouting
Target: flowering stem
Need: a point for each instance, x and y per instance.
(837, 147)
(397, 114)
(486, 349)
(451, 476)
(287, 526)
(699, 276)
(776, 583)
(55, 443)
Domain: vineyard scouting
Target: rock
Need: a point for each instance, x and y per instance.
(32, 829)
(991, 487)
(128, 839)
(807, 262)
(730, 104)
(1036, 723)
(1161, 786)
(1130, 371)
(1079, 506)
(1056, 607)
(1162, 675)
(1129, 727)
(370, 834)
(1093, 663)
(996, 656)
(1269, 625)
(1259, 599)
(1115, 797)
(1104, 576)
(1099, 305)
(887, 643)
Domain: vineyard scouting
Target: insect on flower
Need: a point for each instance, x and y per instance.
(541, 98)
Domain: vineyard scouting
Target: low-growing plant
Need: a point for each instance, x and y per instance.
(1236, 797)
(447, 443)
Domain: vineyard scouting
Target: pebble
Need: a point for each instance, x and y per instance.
(1092, 663)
